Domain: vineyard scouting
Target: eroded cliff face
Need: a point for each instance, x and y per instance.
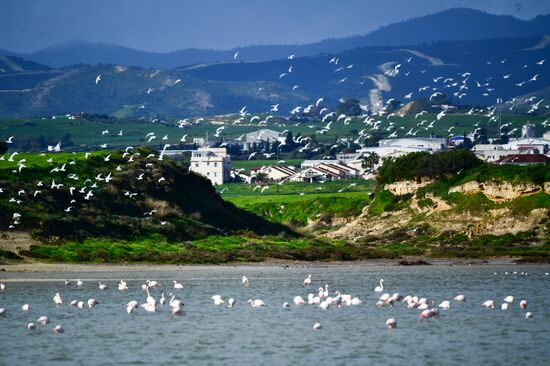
(440, 216)
(406, 187)
(498, 192)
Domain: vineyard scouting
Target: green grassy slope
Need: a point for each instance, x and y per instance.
(186, 205)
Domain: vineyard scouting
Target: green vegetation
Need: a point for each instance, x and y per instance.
(381, 202)
(185, 206)
(6, 254)
(295, 188)
(212, 249)
(419, 165)
(459, 246)
(296, 210)
(37, 133)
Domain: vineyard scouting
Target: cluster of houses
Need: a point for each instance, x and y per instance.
(215, 163)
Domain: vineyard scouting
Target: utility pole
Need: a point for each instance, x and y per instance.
(499, 105)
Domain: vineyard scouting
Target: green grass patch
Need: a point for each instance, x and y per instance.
(299, 209)
(6, 254)
(295, 188)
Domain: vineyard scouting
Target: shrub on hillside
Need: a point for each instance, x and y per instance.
(416, 166)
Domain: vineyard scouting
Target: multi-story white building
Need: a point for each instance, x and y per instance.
(212, 163)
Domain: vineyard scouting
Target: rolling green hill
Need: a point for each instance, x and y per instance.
(165, 201)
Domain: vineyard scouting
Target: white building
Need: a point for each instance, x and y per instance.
(428, 143)
(263, 135)
(393, 151)
(493, 153)
(212, 163)
(315, 170)
(277, 173)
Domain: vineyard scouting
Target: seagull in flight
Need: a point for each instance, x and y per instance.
(97, 79)
(235, 56)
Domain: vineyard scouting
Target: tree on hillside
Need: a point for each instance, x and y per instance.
(369, 161)
(419, 165)
(481, 137)
(3, 147)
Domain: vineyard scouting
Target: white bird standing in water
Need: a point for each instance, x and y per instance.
(307, 281)
(381, 287)
(122, 286)
(256, 303)
(460, 298)
(245, 281)
(92, 303)
(217, 300)
(57, 299)
(131, 306)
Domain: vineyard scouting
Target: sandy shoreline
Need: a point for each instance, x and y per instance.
(110, 267)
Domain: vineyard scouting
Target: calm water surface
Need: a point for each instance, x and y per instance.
(209, 334)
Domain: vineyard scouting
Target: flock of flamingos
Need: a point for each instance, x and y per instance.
(322, 299)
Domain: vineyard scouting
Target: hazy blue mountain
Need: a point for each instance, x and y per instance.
(16, 64)
(468, 72)
(453, 24)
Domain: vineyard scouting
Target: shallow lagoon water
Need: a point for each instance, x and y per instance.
(209, 334)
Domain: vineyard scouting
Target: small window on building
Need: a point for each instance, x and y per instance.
(215, 174)
(215, 164)
(208, 173)
(208, 164)
(197, 165)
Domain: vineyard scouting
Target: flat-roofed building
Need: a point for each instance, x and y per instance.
(212, 163)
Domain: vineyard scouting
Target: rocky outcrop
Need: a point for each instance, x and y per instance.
(440, 216)
(405, 187)
(498, 192)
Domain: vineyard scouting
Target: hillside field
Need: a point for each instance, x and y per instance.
(84, 134)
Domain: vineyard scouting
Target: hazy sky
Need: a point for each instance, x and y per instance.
(165, 25)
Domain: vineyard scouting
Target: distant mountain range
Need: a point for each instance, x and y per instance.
(453, 24)
(467, 72)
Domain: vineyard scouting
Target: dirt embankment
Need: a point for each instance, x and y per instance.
(441, 216)
(498, 192)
